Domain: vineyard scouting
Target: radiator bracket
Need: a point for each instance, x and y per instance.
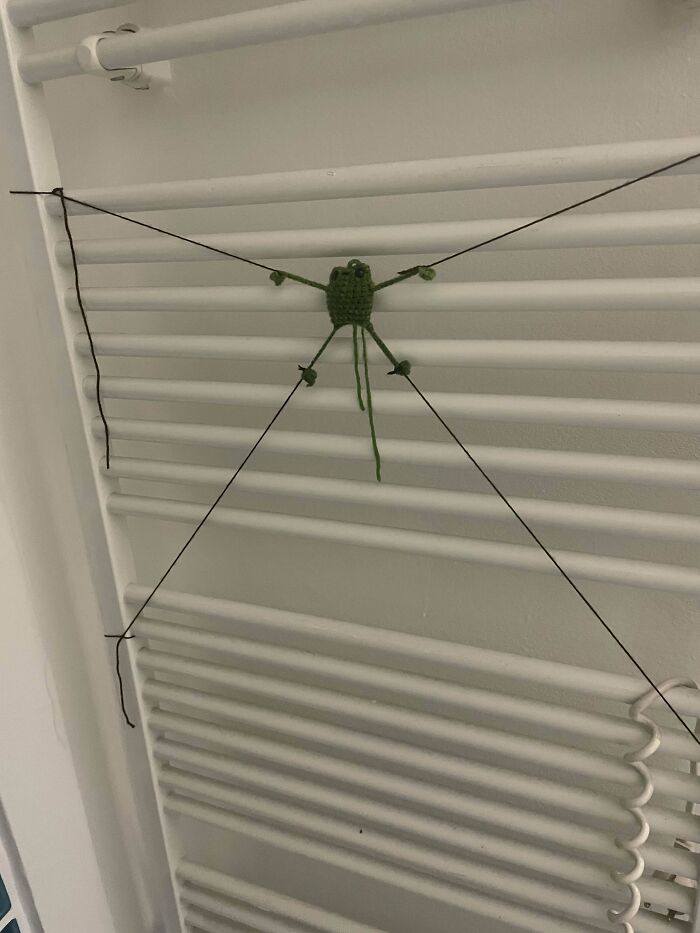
(136, 77)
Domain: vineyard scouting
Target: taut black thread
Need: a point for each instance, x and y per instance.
(58, 192)
(125, 634)
(543, 547)
(78, 294)
(557, 213)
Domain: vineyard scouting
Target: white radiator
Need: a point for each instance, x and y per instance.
(357, 769)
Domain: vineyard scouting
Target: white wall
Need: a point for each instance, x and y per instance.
(62, 782)
(76, 805)
(528, 75)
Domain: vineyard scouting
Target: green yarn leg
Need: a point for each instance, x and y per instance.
(308, 373)
(397, 278)
(324, 345)
(370, 413)
(278, 277)
(356, 361)
(427, 273)
(401, 367)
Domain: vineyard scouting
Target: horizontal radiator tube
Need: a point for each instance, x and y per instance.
(248, 917)
(397, 686)
(202, 921)
(246, 782)
(456, 173)
(520, 918)
(433, 768)
(402, 649)
(615, 468)
(589, 355)
(425, 728)
(582, 412)
(396, 851)
(208, 906)
(572, 516)
(569, 295)
(633, 228)
(254, 27)
(24, 13)
(265, 900)
(418, 795)
(584, 566)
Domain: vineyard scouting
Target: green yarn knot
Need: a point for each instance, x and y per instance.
(278, 277)
(427, 273)
(308, 374)
(402, 368)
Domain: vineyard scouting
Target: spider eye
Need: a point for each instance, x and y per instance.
(359, 272)
(334, 274)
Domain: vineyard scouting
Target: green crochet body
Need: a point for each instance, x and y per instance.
(350, 294)
(350, 299)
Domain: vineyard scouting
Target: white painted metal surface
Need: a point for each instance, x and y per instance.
(633, 228)
(401, 686)
(415, 793)
(370, 711)
(269, 24)
(645, 471)
(461, 661)
(600, 413)
(432, 766)
(559, 868)
(518, 354)
(514, 556)
(362, 866)
(24, 13)
(464, 173)
(566, 295)
(571, 515)
(264, 903)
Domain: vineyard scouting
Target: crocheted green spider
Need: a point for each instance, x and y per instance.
(350, 298)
